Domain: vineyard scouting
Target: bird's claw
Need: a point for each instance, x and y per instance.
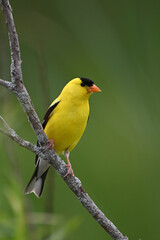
(51, 144)
(69, 171)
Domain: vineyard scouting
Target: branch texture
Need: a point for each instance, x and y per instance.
(17, 87)
(14, 136)
(6, 84)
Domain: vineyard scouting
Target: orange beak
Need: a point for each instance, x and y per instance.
(94, 88)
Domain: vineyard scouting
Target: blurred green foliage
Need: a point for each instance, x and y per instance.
(115, 43)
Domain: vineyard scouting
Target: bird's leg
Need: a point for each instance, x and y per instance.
(51, 144)
(70, 170)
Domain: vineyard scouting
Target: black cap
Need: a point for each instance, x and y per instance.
(87, 81)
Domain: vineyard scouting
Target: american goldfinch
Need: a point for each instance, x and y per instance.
(64, 124)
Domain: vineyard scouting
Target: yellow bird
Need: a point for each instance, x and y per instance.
(64, 124)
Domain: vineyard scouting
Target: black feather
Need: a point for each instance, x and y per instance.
(33, 181)
(47, 115)
(36, 158)
(43, 177)
(45, 120)
(87, 82)
(35, 173)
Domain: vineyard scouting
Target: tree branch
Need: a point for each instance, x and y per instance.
(16, 72)
(6, 84)
(73, 182)
(14, 136)
(17, 87)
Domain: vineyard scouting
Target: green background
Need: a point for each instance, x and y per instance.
(116, 44)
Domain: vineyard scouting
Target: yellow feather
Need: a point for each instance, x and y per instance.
(69, 119)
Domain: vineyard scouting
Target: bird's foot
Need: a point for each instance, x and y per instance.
(69, 171)
(51, 144)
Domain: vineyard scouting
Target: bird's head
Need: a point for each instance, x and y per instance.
(80, 88)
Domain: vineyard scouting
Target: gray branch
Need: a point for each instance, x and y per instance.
(6, 84)
(17, 87)
(14, 136)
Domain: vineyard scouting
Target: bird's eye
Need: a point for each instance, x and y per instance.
(82, 84)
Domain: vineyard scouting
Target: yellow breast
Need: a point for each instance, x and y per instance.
(67, 124)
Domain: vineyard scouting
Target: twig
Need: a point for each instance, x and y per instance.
(18, 88)
(48, 155)
(6, 84)
(14, 136)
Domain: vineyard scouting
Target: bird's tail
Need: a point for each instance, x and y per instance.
(36, 182)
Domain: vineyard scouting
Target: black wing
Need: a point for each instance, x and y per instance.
(47, 115)
(45, 120)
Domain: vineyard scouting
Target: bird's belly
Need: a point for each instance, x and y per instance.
(66, 130)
